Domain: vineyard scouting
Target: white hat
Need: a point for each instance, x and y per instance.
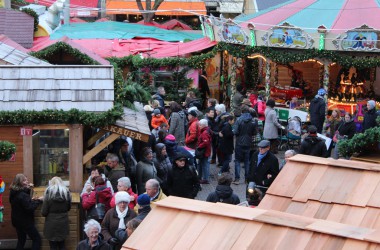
(122, 196)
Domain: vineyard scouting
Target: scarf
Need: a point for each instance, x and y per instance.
(121, 216)
(260, 157)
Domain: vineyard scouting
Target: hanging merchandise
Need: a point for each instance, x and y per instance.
(2, 188)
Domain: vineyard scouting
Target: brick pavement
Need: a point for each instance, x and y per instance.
(238, 189)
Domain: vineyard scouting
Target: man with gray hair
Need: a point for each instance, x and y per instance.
(152, 187)
(159, 96)
(114, 170)
(370, 116)
(204, 146)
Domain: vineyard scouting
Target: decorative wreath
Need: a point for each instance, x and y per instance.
(7, 149)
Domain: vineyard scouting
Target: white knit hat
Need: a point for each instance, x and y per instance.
(122, 196)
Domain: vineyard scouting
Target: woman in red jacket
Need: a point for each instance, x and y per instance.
(204, 141)
(104, 195)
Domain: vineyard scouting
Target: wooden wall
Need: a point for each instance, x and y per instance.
(8, 171)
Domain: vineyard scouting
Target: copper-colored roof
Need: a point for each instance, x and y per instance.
(178, 223)
(335, 190)
(18, 26)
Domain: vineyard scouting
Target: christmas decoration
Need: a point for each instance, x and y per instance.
(7, 149)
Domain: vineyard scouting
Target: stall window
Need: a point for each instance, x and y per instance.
(50, 155)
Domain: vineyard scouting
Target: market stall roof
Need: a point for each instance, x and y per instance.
(342, 191)
(85, 8)
(119, 30)
(121, 48)
(178, 223)
(13, 56)
(337, 16)
(167, 8)
(169, 25)
(86, 88)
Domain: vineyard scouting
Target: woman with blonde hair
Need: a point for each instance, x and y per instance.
(57, 203)
(22, 214)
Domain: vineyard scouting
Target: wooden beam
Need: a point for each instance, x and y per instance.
(76, 154)
(28, 157)
(99, 147)
(50, 126)
(95, 137)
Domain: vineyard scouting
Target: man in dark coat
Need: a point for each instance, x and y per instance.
(223, 192)
(183, 179)
(159, 96)
(317, 110)
(313, 145)
(226, 143)
(264, 166)
(370, 117)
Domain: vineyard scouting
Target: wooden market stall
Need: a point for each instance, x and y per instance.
(44, 150)
(178, 223)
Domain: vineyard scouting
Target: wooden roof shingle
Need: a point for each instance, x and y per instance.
(178, 223)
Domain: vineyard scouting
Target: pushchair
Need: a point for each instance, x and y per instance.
(291, 137)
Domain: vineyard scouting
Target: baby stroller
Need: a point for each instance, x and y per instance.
(291, 137)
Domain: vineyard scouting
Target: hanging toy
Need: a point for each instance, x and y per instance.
(2, 188)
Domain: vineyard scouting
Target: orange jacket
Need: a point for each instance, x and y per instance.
(158, 120)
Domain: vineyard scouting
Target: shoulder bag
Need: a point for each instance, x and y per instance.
(97, 211)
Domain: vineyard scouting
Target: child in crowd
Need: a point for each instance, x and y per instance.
(158, 119)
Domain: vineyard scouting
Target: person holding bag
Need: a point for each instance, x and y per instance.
(204, 144)
(101, 194)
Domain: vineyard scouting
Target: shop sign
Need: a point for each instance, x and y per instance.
(126, 132)
(26, 131)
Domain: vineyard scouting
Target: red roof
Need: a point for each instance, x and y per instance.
(169, 25)
(10, 42)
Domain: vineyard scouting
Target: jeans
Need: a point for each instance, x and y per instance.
(226, 163)
(204, 168)
(241, 154)
(32, 233)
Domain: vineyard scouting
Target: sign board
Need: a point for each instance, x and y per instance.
(127, 132)
(26, 131)
(284, 114)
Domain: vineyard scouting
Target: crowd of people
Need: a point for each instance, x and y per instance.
(124, 184)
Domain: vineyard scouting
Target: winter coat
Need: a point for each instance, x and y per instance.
(259, 173)
(160, 99)
(110, 222)
(143, 212)
(22, 208)
(313, 145)
(104, 197)
(162, 163)
(261, 107)
(183, 182)
(115, 174)
(369, 119)
(84, 245)
(244, 128)
(131, 204)
(347, 129)
(223, 194)
(157, 120)
(226, 143)
(56, 210)
(204, 141)
(271, 125)
(333, 125)
(221, 119)
(129, 162)
(171, 148)
(177, 126)
(90, 182)
(317, 112)
(145, 171)
(192, 134)
(236, 103)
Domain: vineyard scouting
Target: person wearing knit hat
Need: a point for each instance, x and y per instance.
(317, 110)
(158, 119)
(144, 206)
(370, 116)
(116, 218)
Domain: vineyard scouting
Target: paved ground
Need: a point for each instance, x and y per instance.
(238, 189)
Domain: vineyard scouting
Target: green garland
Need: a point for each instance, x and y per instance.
(49, 116)
(34, 15)
(7, 149)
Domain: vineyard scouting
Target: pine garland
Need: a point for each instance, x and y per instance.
(7, 149)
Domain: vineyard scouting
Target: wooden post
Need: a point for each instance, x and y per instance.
(28, 157)
(76, 155)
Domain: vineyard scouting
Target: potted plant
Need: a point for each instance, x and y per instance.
(7, 149)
